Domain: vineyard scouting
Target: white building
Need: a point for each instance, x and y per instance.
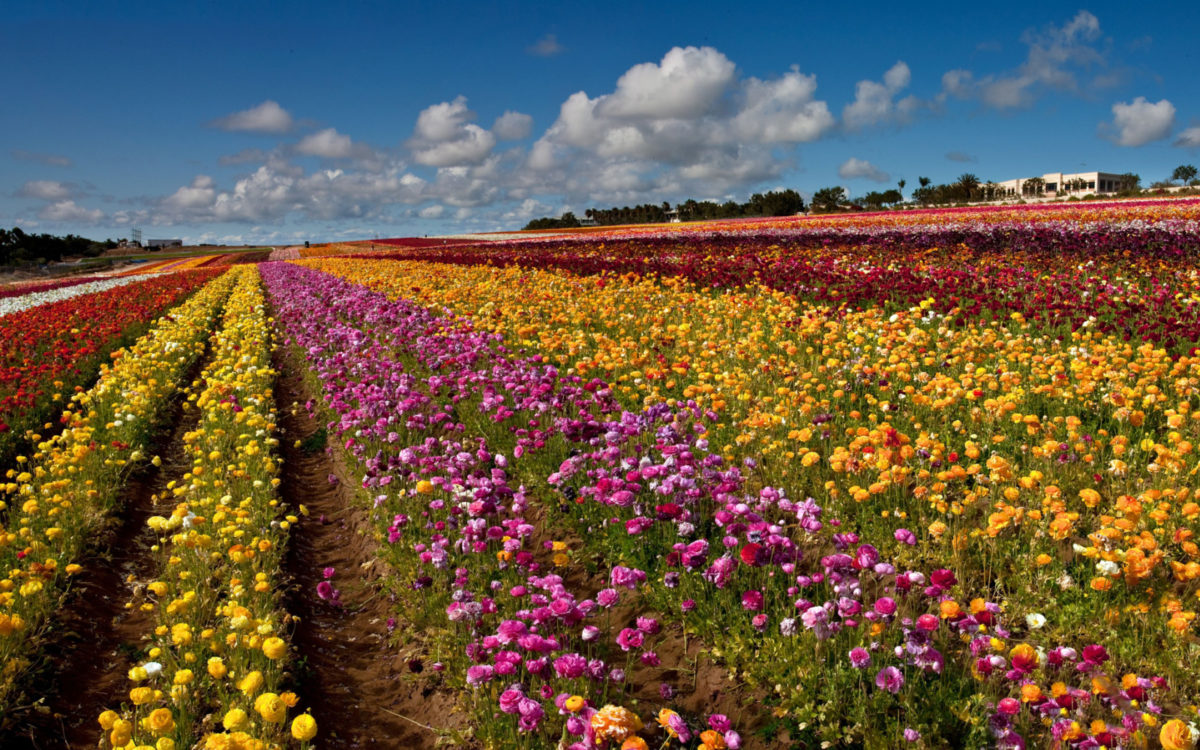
(1058, 184)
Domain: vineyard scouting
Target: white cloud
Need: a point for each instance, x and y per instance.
(69, 211)
(688, 83)
(547, 46)
(327, 143)
(267, 117)
(1055, 56)
(432, 212)
(782, 110)
(873, 101)
(528, 209)
(854, 168)
(446, 137)
(48, 190)
(49, 160)
(1189, 138)
(512, 126)
(1139, 122)
(273, 191)
(686, 123)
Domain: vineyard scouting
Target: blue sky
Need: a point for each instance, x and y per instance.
(280, 122)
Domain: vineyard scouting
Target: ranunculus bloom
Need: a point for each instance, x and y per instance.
(889, 679)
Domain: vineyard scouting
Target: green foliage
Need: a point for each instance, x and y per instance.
(17, 247)
(828, 199)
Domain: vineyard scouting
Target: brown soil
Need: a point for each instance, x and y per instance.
(95, 638)
(361, 690)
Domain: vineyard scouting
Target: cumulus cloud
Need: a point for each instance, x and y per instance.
(688, 83)
(547, 46)
(685, 122)
(69, 211)
(512, 126)
(1055, 57)
(47, 190)
(49, 160)
(854, 168)
(1189, 138)
(874, 101)
(432, 212)
(267, 117)
(327, 143)
(445, 136)
(1139, 122)
(275, 191)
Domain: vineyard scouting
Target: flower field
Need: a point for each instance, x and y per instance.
(916, 479)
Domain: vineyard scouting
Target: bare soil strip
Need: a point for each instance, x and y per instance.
(95, 639)
(362, 691)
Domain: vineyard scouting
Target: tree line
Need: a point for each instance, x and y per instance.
(772, 203)
(17, 247)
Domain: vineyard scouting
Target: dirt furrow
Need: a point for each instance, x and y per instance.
(362, 691)
(95, 638)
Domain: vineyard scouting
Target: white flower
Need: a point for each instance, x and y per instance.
(153, 668)
(1108, 568)
(1035, 620)
(37, 299)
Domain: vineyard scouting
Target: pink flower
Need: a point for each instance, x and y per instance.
(630, 639)
(752, 600)
(889, 679)
(860, 658)
(886, 606)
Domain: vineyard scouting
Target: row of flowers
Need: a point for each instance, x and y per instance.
(30, 300)
(632, 530)
(49, 351)
(542, 660)
(57, 498)
(19, 289)
(215, 671)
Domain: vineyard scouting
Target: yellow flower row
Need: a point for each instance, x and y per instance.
(60, 495)
(984, 438)
(219, 644)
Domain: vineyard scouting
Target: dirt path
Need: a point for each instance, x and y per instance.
(362, 691)
(94, 638)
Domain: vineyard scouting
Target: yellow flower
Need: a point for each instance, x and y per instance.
(304, 727)
(216, 668)
(121, 733)
(275, 648)
(107, 719)
(184, 677)
(235, 718)
(251, 683)
(271, 707)
(140, 695)
(424, 487)
(164, 743)
(159, 721)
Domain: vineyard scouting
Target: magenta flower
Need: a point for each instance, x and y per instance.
(860, 658)
(889, 679)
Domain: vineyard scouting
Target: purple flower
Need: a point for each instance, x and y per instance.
(889, 679)
(911, 735)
